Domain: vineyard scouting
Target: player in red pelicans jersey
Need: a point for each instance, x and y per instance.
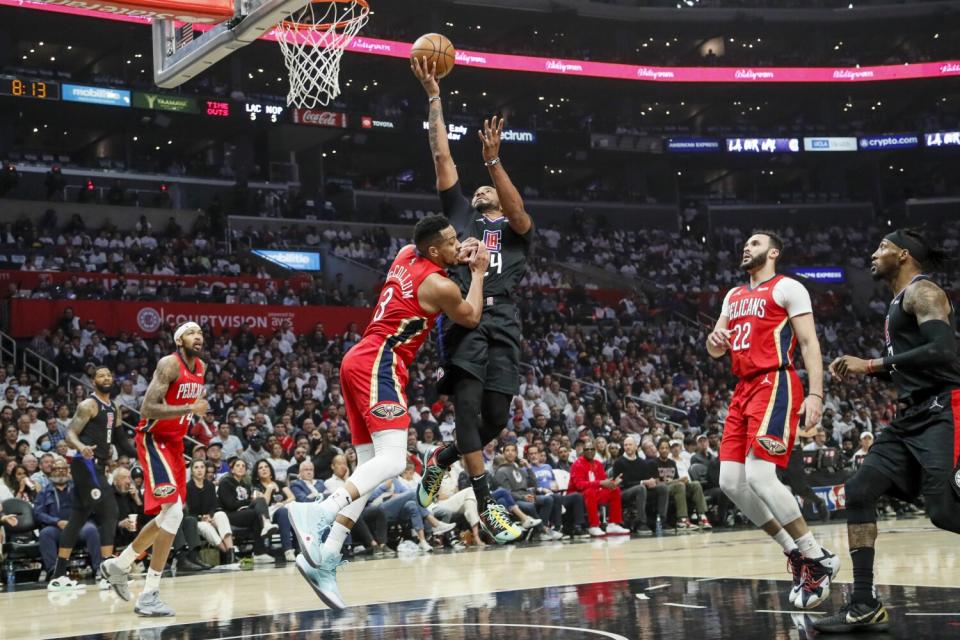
(373, 377)
(175, 394)
(760, 325)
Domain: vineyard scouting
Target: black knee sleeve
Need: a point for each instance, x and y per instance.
(68, 537)
(105, 511)
(943, 509)
(467, 400)
(494, 411)
(862, 492)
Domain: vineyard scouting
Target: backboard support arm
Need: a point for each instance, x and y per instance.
(173, 66)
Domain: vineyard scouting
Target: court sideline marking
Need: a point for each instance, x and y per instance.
(341, 630)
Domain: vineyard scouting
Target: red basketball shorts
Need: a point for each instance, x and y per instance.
(764, 416)
(164, 470)
(373, 381)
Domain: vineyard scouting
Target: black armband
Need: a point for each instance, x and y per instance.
(940, 348)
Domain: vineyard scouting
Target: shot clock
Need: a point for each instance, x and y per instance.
(19, 87)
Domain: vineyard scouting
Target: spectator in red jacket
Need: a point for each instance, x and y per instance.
(588, 477)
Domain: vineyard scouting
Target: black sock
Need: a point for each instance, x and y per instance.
(481, 489)
(862, 558)
(61, 568)
(448, 456)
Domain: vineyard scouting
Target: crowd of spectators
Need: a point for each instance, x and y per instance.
(617, 421)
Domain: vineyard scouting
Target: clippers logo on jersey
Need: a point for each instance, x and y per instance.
(388, 411)
(164, 490)
(491, 239)
(110, 416)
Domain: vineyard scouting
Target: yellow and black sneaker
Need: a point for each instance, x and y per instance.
(432, 478)
(855, 617)
(496, 521)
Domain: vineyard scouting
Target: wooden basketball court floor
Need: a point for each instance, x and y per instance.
(703, 585)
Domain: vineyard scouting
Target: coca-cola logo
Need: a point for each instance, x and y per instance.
(334, 119)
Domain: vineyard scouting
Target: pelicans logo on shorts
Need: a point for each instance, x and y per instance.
(388, 411)
(164, 490)
(773, 446)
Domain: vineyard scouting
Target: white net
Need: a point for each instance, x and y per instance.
(313, 40)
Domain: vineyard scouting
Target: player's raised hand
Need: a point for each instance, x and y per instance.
(426, 73)
(490, 137)
(719, 339)
(468, 248)
(480, 261)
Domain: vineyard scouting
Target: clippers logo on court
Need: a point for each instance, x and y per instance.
(164, 490)
(491, 239)
(149, 320)
(773, 446)
(388, 411)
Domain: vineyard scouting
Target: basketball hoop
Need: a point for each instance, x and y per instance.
(313, 40)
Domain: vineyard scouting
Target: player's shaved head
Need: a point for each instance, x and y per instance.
(429, 231)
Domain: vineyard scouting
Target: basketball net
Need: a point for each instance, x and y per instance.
(313, 40)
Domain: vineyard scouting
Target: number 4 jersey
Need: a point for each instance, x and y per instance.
(761, 338)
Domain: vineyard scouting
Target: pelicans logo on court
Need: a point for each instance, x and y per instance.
(771, 445)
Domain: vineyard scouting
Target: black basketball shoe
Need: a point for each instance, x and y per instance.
(855, 617)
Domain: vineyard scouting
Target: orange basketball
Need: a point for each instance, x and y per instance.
(435, 48)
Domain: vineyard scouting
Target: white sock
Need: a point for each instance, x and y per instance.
(785, 540)
(809, 546)
(334, 542)
(153, 580)
(337, 501)
(127, 557)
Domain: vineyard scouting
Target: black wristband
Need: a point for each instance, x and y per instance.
(815, 395)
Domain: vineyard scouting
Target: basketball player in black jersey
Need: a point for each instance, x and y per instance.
(918, 453)
(95, 425)
(481, 366)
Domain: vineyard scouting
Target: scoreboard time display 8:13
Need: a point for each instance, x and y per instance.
(32, 88)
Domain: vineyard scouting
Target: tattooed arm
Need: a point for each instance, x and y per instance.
(437, 130)
(930, 305)
(155, 406)
(86, 411)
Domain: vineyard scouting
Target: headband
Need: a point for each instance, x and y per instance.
(917, 249)
(182, 329)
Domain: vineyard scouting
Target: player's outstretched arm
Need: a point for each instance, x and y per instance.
(426, 73)
(806, 332)
(930, 305)
(155, 406)
(86, 410)
(439, 292)
(511, 203)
